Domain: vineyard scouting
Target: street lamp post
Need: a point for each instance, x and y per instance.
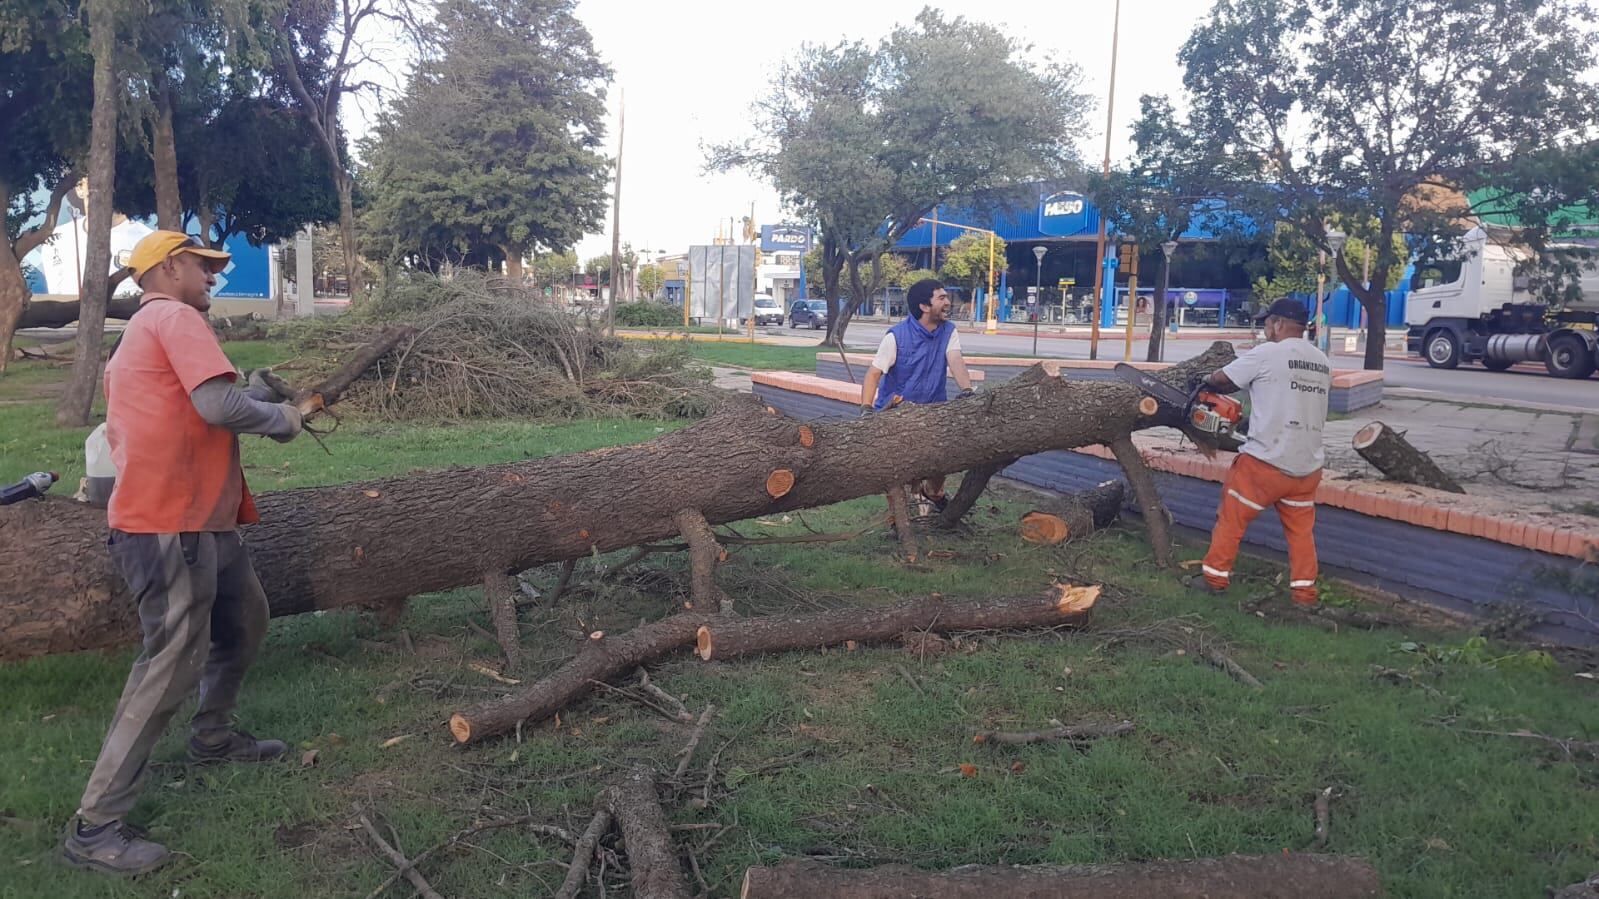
(1038, 293)
(1335, 242)
(576, 271)
(1169, 247)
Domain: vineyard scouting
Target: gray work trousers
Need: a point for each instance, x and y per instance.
(203, 615)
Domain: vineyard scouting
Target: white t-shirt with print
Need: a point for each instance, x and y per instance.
(888, 350)
(1288, 383)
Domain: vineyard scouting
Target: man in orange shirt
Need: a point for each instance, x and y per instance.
(172, 419)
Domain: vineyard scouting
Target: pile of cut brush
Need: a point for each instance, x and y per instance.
(486, 349)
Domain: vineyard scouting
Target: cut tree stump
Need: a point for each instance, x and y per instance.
(369, 543)
(1390, 453)
(720, 637)
(1288, 876)
(651, 859)
(1075, 516)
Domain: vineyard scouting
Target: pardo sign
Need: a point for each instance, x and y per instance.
(776, 238)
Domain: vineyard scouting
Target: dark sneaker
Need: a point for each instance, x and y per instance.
(939, 501)
(1198, 584)
(114, 848)
(238, 746)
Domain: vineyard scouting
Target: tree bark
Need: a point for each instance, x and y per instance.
(973, 483)
(374, 542)
(1157, 325)
(346, 185)
(1157, 521)
(513, 264)
(704, 554)
(720, 637)
(1390, 453)
(14, 292)
(164, 155)
(499, 591)
(725, 639)
(78, 399)
(1296, 876)
(651, 859)
(51, 314)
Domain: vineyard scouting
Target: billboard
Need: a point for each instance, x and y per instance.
(721, 282)
(785, 238)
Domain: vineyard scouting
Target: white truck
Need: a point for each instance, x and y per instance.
(1491, 313)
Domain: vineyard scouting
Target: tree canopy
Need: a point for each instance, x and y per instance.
(862, 141)
(494, 145)
(1362, 107)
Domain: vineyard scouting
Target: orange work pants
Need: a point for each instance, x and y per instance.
(1252, 486)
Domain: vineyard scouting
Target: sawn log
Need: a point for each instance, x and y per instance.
(1390, 453)
(1288, 876)
(376, 542)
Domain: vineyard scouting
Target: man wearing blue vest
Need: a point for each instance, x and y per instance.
(914, 361)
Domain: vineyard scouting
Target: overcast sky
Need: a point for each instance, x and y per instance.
(690, 70)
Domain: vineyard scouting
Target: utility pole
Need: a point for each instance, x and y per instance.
(1099, 245)
(616, 219)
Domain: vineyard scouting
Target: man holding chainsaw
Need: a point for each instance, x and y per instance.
(913, 362)
(172, 419)
(1279, 466)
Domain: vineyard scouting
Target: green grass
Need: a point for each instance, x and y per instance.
(828, 752)
(755, 355)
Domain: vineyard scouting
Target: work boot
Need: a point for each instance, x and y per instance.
(1198, 584)
(235, 746)
(112, 848)
(938, 502)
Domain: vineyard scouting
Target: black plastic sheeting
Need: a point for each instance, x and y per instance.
(1557, 597)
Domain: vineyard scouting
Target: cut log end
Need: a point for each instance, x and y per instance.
(779, 483)
(1368, 435)
(1070, 599)
(460, 728)
(703, 644)
(807, 437)
(1148, 407)
(1044, 528)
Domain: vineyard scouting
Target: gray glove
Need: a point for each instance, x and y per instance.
(296, 422)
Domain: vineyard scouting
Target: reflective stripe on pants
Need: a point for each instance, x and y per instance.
(1251, 487)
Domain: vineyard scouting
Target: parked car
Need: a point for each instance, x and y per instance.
(767, 312)
(808, 312)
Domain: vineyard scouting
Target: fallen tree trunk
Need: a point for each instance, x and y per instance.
(651, 860)
(52, 314)
(723, 637)
(1302, 876)
(375, 542)
(1390, 453)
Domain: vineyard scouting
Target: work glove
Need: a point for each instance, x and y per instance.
(257, 388)
(967, 391)
(291, 414)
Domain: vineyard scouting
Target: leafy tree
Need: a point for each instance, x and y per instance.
(862, 142)
(1360, 106)
(650, 281)
(44, 117)
(920, 274)
(893, 269)
(1172, 180)
(496, 141)
(554, 269)
(966, 261)
(1292, 261)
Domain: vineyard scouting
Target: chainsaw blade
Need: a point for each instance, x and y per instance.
(1153, 386)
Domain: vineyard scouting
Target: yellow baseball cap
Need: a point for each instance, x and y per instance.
(155, 247)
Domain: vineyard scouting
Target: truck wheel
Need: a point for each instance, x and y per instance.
(1569, 357)
(1497, 364)
(1442, 349)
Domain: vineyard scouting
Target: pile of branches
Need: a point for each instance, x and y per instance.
(487, 349)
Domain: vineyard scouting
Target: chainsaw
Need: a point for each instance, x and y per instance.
(1204, 410)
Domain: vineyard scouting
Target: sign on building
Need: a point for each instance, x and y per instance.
(1067, 214)
(721, 282)
(785, 238)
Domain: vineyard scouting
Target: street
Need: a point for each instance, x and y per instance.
(1527, 384)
